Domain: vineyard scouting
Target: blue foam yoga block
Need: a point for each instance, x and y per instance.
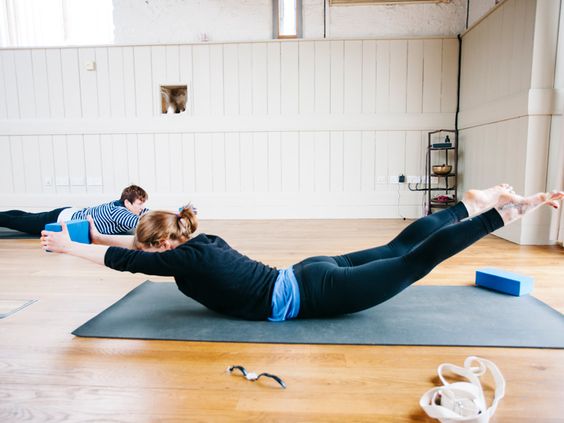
(79, 230)
(503, 281)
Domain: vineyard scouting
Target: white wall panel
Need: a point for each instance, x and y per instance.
(201, 89)
(368, 76)
(289, 78)
(103, 81)
(232, 163)
(432, 75)
(368, 177)
(88, 83)
(307, 162)
(218, 157)
(71, 83)
(290, 157)
(322, 77)
(116, 81)
(32, 164)
(307, 76)
(414, 76)
(3, 99)
(260, 79)
(287, 118)
(77, 163)
(172, 64)
(47, 164)
(352, 69)
(216, 80)
(40, 84)
(128, 81)
(159, 76)
(189, 163)
(246, 162)
(18, 164)
(10, 85)
(133, 158)
(337, 77)
(274, 162)
(383, 76)
(143, 81)
(61, 163)
(176, 163)
(26, 91)
(352, 160)
(55, 81)
(203, 162)
(274, 75)
(94, 162)
(231, 79)
(162, 163)
(260, 164)
(398, 76)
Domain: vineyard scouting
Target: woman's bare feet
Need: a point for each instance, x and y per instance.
(478, 201)
(512, 207)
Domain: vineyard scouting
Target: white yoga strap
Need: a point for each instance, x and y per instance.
(463, 401)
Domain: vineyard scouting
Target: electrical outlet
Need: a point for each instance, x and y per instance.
(380, 179)
(413, 179)
(393, 179)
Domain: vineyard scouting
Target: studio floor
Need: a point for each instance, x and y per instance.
(47, 374)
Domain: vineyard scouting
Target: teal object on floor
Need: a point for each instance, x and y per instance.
(79, 230)
(503, 281)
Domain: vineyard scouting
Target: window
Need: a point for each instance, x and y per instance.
(33, 23)
(287, 18)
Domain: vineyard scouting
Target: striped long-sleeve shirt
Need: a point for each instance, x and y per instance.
(110, 218)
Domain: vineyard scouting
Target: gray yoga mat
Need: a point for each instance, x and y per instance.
(420, 315)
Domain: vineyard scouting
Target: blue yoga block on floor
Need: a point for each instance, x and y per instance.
(79, 230)
(503, 281)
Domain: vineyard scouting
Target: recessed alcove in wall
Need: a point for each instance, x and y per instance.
(173, 98)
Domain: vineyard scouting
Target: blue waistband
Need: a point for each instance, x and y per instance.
(285, 297)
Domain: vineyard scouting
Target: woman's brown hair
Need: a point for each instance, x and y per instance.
(156, 227)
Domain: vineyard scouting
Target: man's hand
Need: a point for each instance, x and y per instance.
(57, 242)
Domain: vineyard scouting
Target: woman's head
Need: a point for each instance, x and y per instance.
(164, 230)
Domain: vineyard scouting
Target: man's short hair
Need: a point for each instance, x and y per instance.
(134, 192)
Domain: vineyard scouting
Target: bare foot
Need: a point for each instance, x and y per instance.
(512, 207)
(477, 201)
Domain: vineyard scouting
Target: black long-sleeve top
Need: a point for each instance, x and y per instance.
(208, 270)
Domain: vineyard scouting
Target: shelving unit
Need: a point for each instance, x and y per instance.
(443, 193)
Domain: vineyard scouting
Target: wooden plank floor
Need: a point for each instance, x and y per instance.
(46, 374)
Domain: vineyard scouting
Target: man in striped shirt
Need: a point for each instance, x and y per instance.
(113, 218)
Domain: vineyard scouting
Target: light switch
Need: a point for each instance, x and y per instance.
(91, 66)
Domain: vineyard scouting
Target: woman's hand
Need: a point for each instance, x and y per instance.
(95, 235)
(57, 242)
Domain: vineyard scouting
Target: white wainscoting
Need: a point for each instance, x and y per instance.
(506, 110)
(272, 129)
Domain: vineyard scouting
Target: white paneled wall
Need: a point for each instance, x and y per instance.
(272, 129)
(506, 108)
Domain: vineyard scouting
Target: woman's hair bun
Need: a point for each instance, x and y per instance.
(187, 218)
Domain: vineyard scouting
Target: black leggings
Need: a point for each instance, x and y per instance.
(363, 279)
(31, 223)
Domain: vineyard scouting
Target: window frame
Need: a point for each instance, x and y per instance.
(276, 21)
